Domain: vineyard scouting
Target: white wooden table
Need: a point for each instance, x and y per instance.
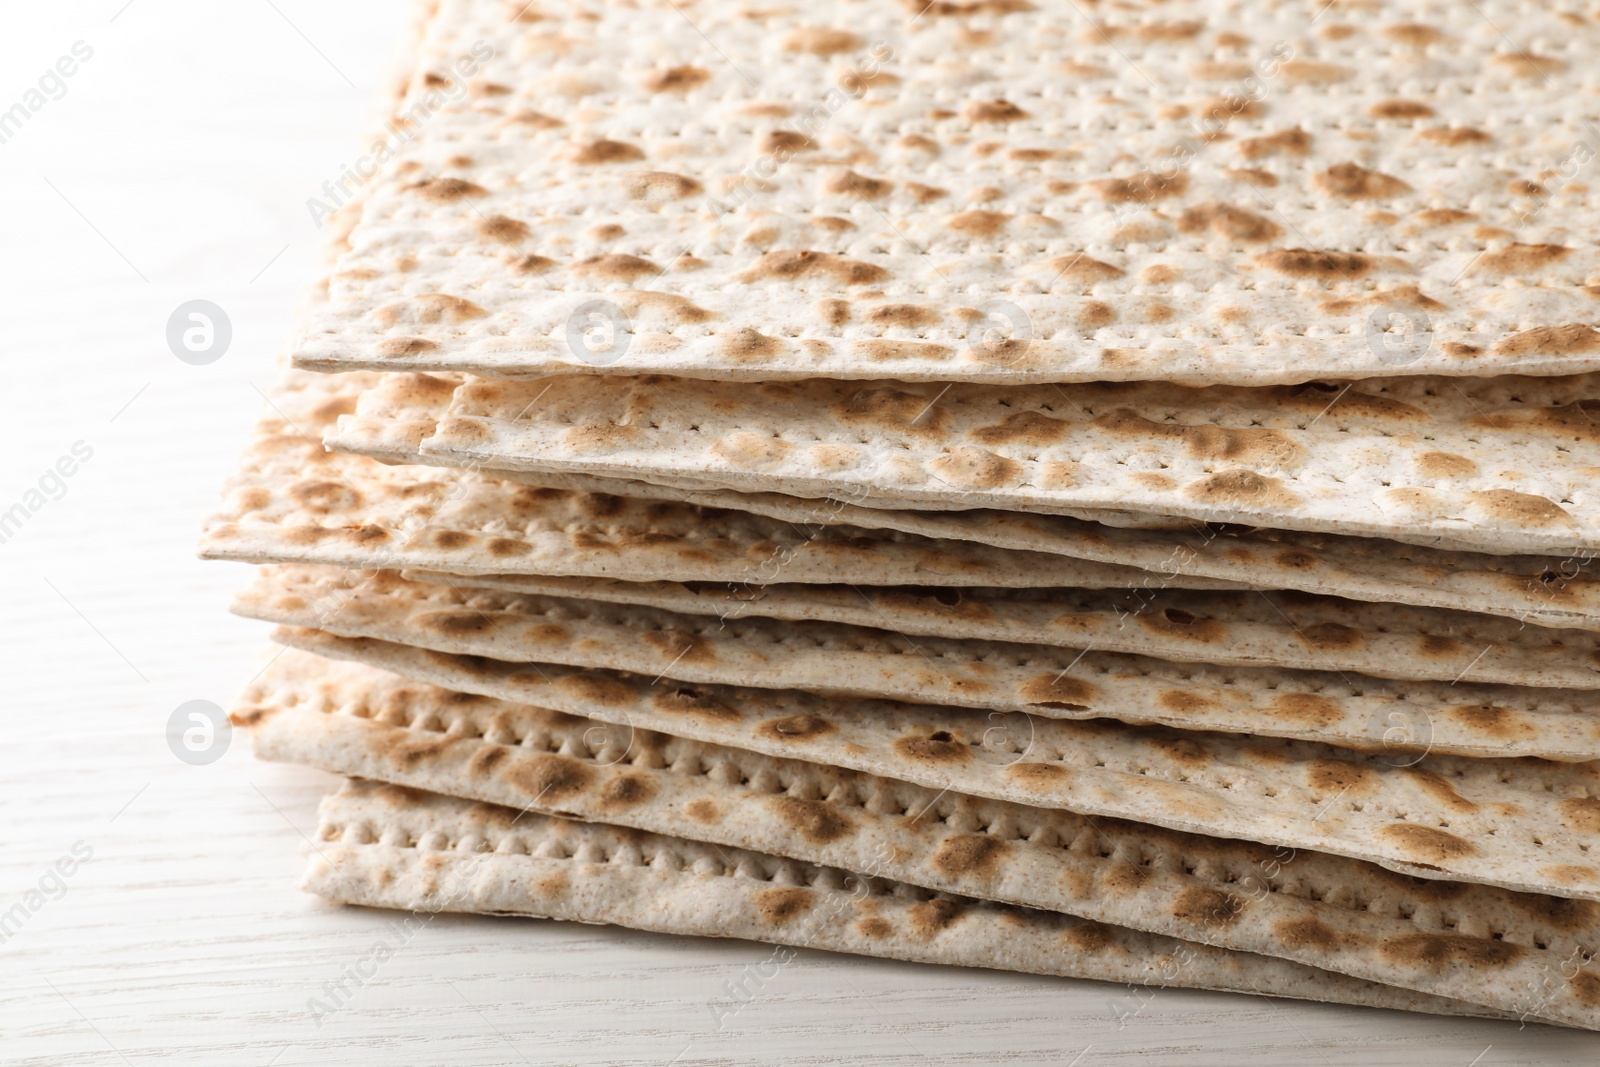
(175, 166)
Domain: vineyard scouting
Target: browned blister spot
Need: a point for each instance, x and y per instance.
(821, 41)
(874, 928)
(1312, 935)
(1524, 510)
(783, 904)
(1175, 622)
(1080, 268)
(1580, 814)
(1438, 951)
(1439, 789)
(994, 111)
(444, 190)
(679, 646)
(597, 689)
(939, 747)
(969, 855)
(594, 153)
(626, 790)
(1207, 907)
(486, 759)
(662, 185)
(1037, 776)
(977, 223)
(550, 779)
(1184, 702)
(1058, 691)
(397, 347)
(675, 79)
(932, 917)
(970, 467)
(1585, 986)
(1185, 751)
(1313, 72)
(795, 728)
(1445, 465)
(1400, 109)
(1355, 182)
(1091, 938)
(1454, 136)
(1567, 340)
(1254, 444)
(1023, 427)
(503, 229)
(1330, 637)
(1503, 724)
(702, 810)
(1293, 142)
(1339, 776)
(1311, 263)
(1142, 187)
(1232, 223)
(815, 821)
(849, 183)
(801, 264)
(752, 451)
(1426, 845)
(1518, 258)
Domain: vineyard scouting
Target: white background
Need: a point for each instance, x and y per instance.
(177, 167)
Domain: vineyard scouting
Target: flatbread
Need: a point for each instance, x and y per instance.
(1255, 629)
(383, 846)
(1521, 824)
(1498, 465)
(988, 193)
(829, 658)
(291, 501)
(370, 724)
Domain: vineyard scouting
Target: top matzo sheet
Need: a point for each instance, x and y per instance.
(1000, 191)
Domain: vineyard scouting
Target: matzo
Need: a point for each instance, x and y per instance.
(1003, 193)
(1500, 465)
(1438, 817)
(1066, 683)
(369, 724)
(1255, 629)
(383, 846)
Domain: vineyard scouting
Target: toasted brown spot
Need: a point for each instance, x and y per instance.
(1585, 986)
(1058, 691)
(1520, 509)
(1206, 907)
(1355, 182)
(1550, 340)
(1024, 427)
(1454, 136)
(1339, 776)
(1413, 33)
(849, 183)
(1501, 723)
(616, 267)
(1528, 64)
(1184, 702)
(1310, 934)
(978, 223)
(662, 185)
(532, 264)
(821, 41)
(1235, 224)
(675, 79)
(1330, 636)
(1313, 72)
(784, 142)
(395, 347)
(907, 315)
(1174, 622)
(1208, 442)
(814, 820)
(1581, 814)
(994, 111)
(597, 689)
(1030, 775)
(783, 904)
(1400, 109)
(502, 229)
(933, 916)
(1426, 844)
(1080, 268)
(1308, 263)
(961, 855)
(795, 728)
(702, 810)
(1306, 708)
(1089, 937)
(1520, 258)
(792, 264)
(874, 928)
(444, 190)
(679, 646)
(938, 747)
(1441, 950)
(1126, 877)
(1445, 465)
(627, 790)
(550, 779)
(970, 467)
(605, 151)
(1294, 142)
(1144, 186)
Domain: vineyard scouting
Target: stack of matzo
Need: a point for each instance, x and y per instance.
(966, 482)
